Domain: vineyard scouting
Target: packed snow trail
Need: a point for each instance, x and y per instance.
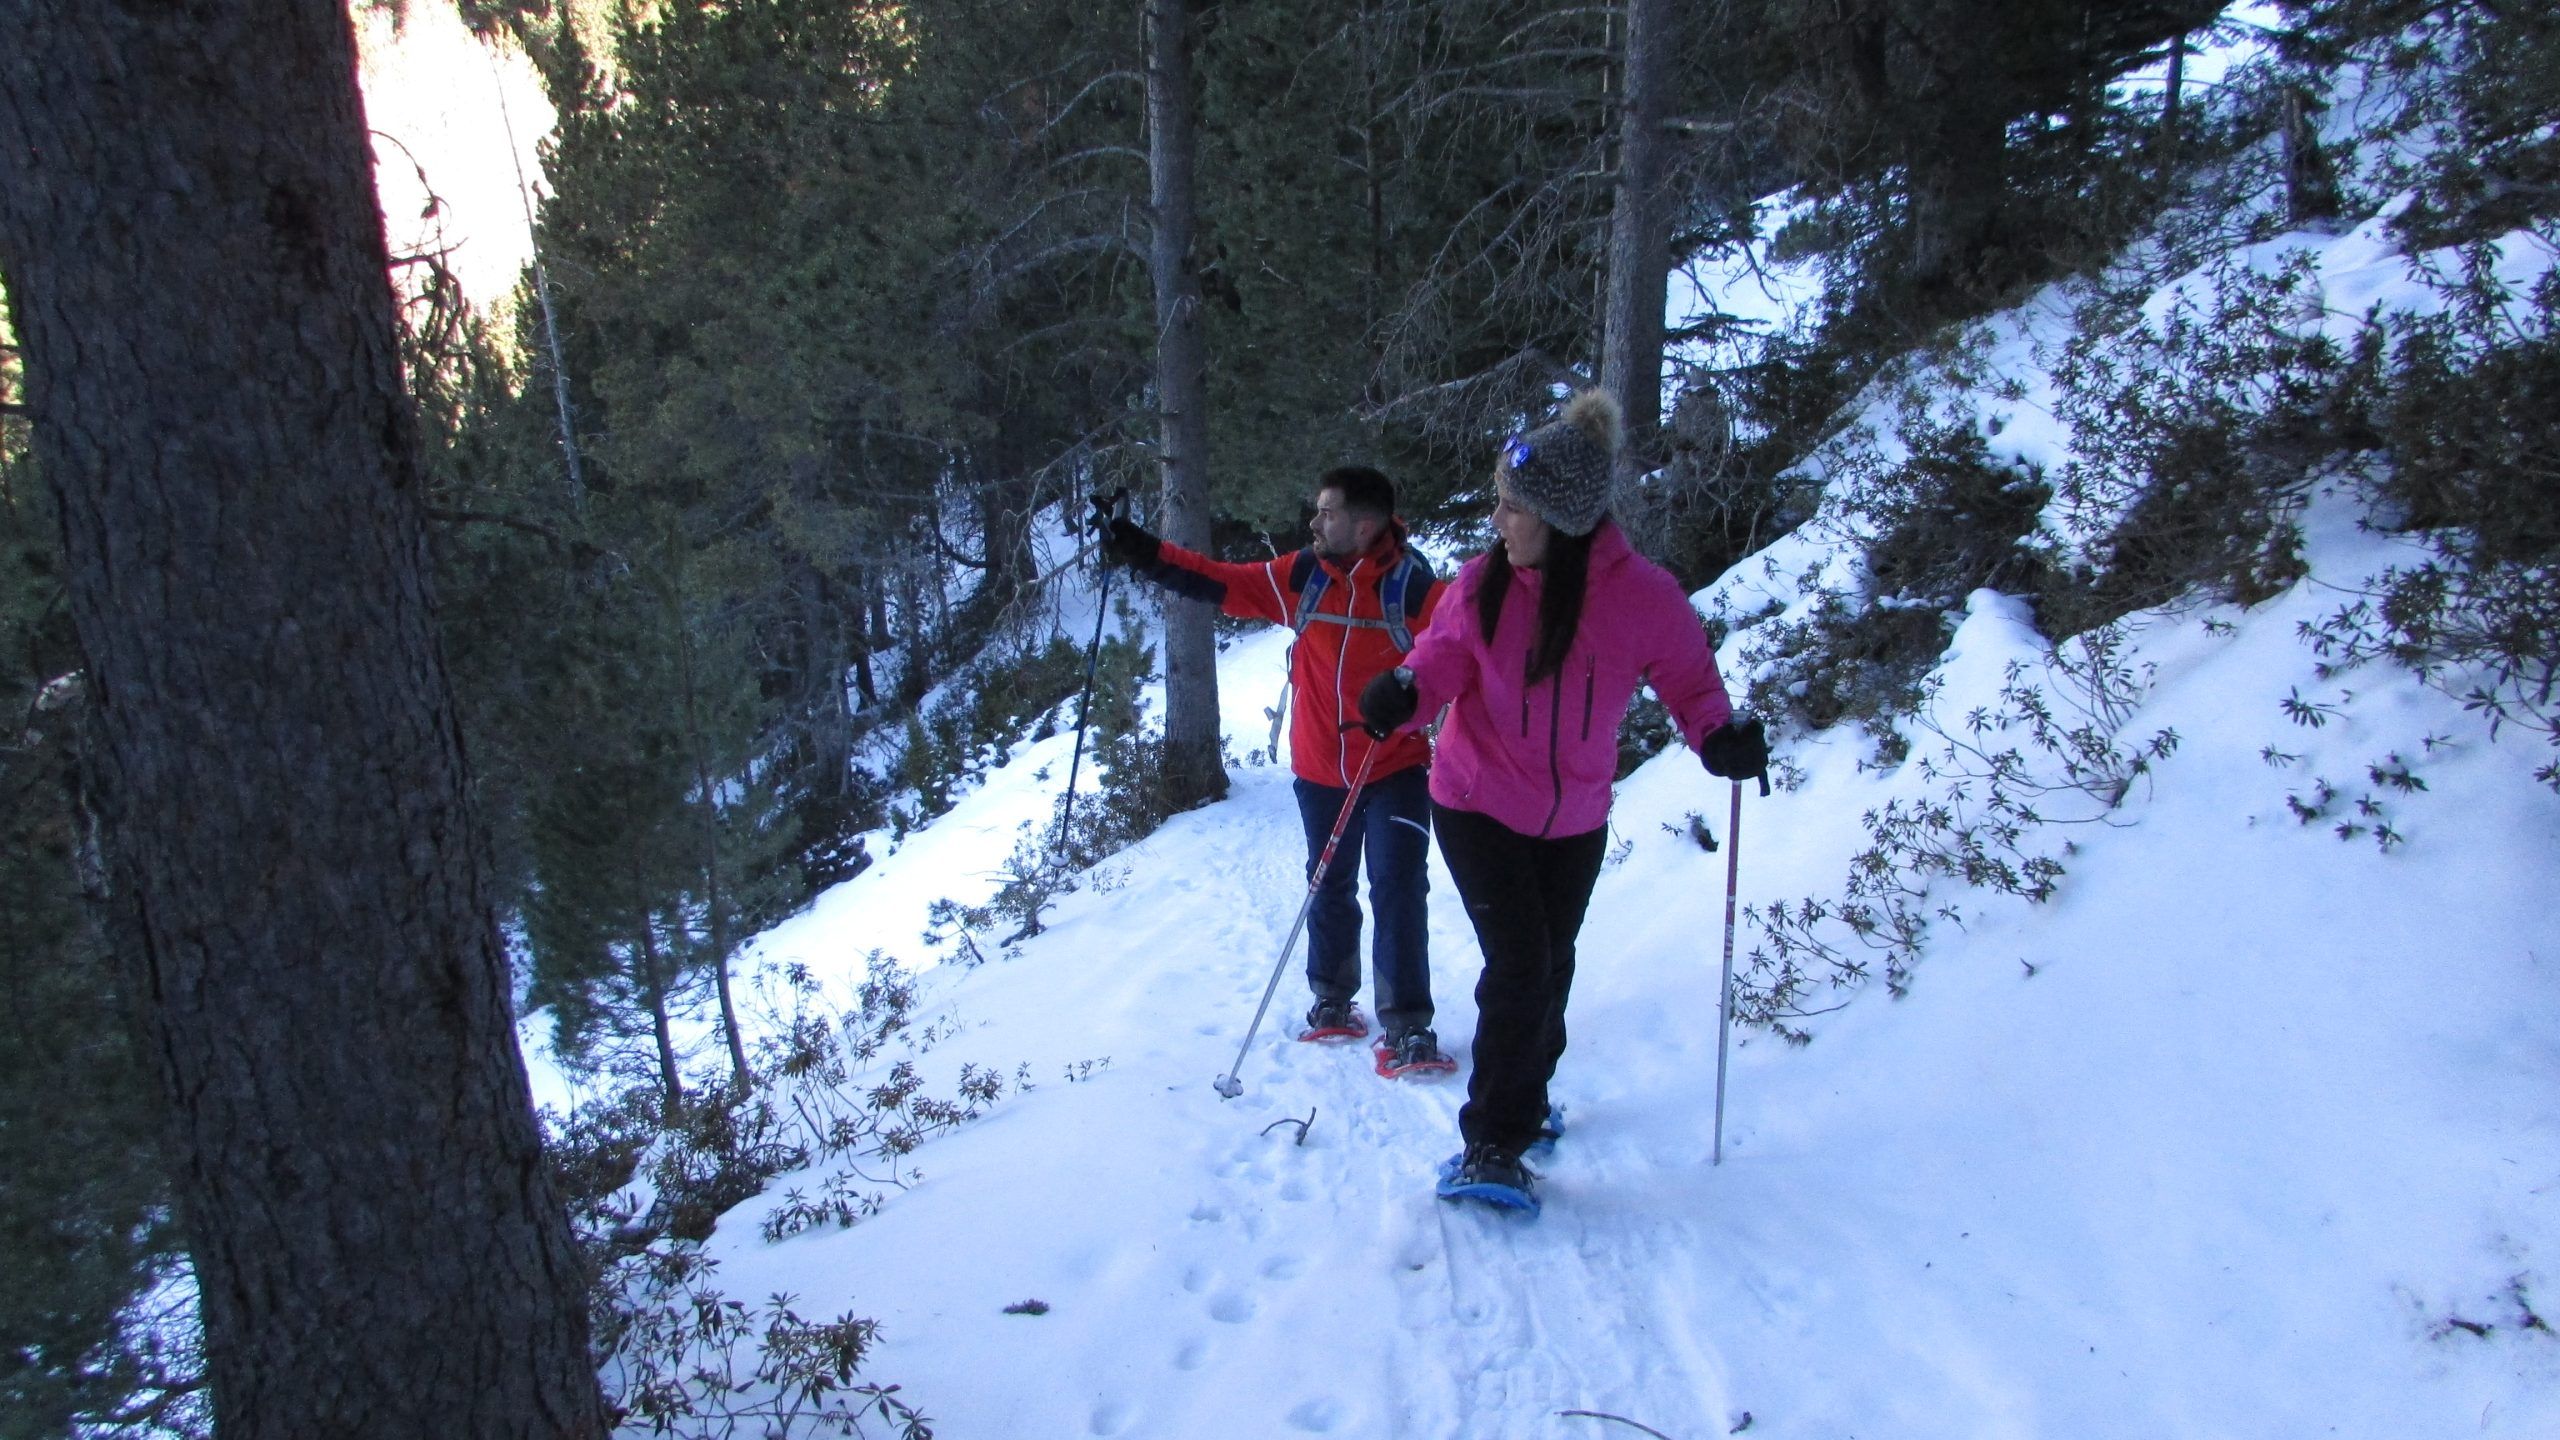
(1251, 1252)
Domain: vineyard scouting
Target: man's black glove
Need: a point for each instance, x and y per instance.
(1737, 750)
(1121, 540)
(1387, 702)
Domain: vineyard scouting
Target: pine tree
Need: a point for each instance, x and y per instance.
(302, 894)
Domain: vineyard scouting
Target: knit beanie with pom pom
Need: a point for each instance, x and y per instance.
(1560, 471)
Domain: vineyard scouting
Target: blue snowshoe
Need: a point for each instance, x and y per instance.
(1489, 1176)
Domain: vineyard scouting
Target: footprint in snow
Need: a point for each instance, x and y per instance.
(1112, 1417)
(1192, 1355)
(1283, 1267)
(1316, 1416)
(1232, 1308)
(1195, 1279)
(1206, 1212)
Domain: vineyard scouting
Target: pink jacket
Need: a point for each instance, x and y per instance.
(1540, 759)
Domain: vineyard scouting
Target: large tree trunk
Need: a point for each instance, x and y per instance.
(196, 261)
(1193, 771)
(1639, 242)
(1956, 179)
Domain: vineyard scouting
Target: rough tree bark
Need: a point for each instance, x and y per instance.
(198, 275)
(1639, 241)
(1193, 771)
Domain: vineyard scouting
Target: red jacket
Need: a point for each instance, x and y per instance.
(1539, 757)
(1331, 660)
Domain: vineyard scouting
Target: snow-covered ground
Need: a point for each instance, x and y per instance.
(2252, 1131)
(2270, 1113)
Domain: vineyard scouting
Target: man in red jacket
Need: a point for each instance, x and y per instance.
(1355, 596)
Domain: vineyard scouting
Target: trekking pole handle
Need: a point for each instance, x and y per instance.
(1100, 510)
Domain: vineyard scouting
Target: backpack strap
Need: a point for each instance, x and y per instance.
(1309, 579)
(1394, 588)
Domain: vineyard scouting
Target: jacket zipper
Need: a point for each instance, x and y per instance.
(1590, 677)
(1555, 772)
(1341, 657)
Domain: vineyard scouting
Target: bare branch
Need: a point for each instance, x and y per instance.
(581, 548)
(1621, 1419)
(1096, 83)
(1121, 151)
(1530, 359)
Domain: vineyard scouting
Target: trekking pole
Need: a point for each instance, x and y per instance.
(1092, 656)
(1724, 1002)
(1227, 1085)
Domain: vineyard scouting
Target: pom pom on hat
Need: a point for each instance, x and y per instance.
(1560, 471)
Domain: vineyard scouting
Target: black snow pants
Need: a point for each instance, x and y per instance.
(1526, 897)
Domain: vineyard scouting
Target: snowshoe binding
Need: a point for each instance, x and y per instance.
(1334, 1020)
(1489, 1176)
(1413, 1055)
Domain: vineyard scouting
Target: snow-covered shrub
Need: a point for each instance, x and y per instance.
(2464, 405)
(2456, 109)
(645, 1181)
(1724, 489)
(2456, 404)
(1008, 695)
(1119, 800)
(2198, 430)
(2053, 752)
(1943, 521)
(689, 1361)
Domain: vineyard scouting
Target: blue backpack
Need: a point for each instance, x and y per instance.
(1309, 578)
(1411, 577)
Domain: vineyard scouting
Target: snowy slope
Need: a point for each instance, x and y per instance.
(2270, 1110)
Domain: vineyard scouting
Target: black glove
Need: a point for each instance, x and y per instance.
(1737, 750)
(1121, 540)
(1387, 702)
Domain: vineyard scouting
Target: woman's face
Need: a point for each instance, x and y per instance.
(1524, 535)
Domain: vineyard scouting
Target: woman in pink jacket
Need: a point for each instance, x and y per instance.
(1538, 650)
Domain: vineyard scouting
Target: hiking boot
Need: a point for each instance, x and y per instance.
(1417, 1047)
(1412, 1052)
(1483, 1164)
(1334, 1019)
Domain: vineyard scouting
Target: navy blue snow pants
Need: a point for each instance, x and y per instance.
(1393, 828)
